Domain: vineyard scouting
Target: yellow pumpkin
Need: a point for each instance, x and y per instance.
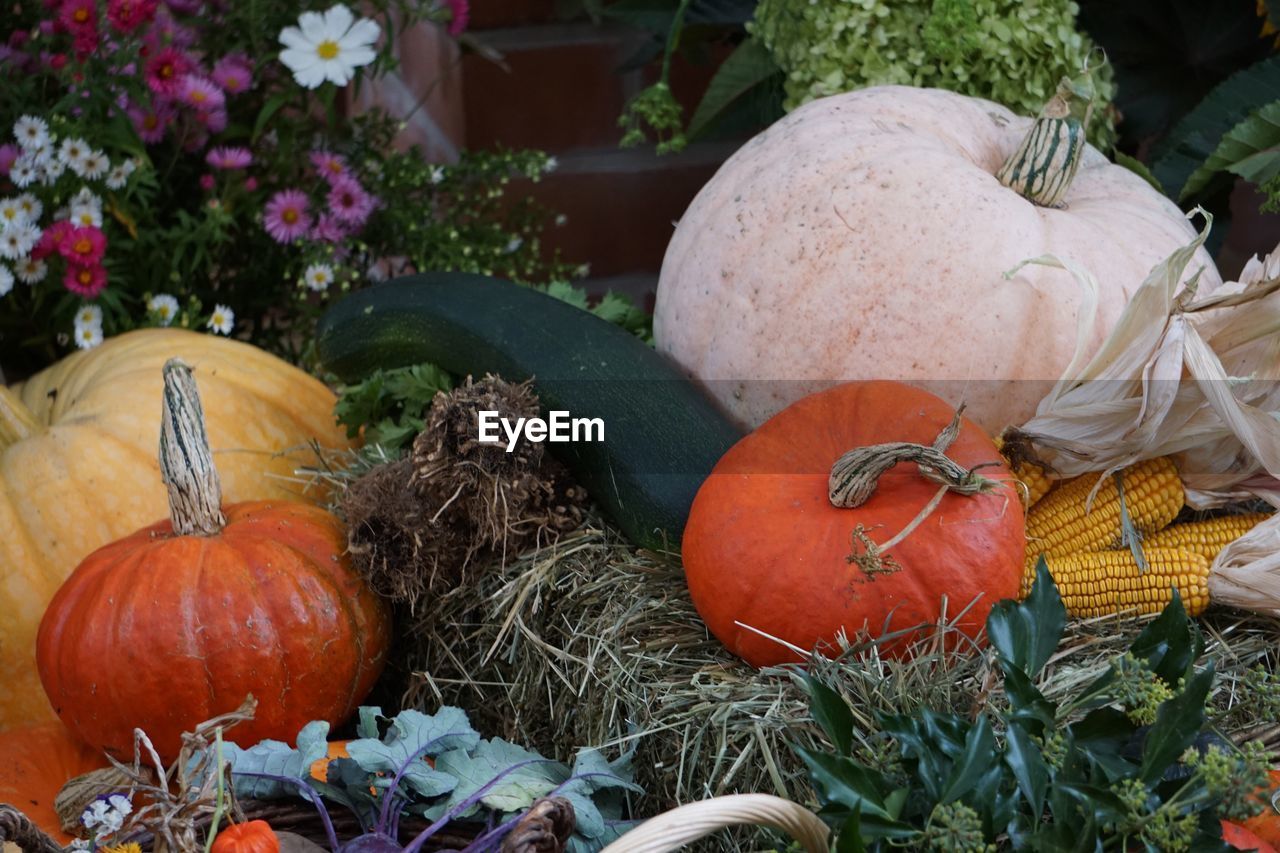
(78, 466)
(867, 236)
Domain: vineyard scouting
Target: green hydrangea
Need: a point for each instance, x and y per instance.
(1013, 52)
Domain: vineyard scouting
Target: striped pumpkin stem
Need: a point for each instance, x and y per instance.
(1046, 161)
(186, 461)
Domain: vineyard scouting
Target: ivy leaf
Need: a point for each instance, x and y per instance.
(830, 711)
(1251, 150)
(1171, 644)
(1178, 722)
(1028, 766)
(1026, 634)
(840, 780)
(979, 752)
(748, 66)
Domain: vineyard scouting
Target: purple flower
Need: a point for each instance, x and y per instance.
(460, 13)
(233, 73)
(215, 121)
(224, 157)
(286, 216)
(207, 182)
(151, 122)
(329, 166)
(329, 229)
(8, 156)
(348, 202)
(201, 93)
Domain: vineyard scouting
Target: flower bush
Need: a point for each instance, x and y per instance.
(195, 163)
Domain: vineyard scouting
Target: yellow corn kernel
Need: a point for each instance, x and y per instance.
(1035, 481)
(1098, 583)
(1060, 523)
(1206, 537)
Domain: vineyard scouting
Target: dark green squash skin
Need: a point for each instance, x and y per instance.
(662, 434)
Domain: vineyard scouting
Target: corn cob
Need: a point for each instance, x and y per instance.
(1059, 523)
(1207, 537)
(1103, 582)
(1035, 482)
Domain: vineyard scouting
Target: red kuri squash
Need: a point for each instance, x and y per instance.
(766, 549)
(35, 762)
(178, 622)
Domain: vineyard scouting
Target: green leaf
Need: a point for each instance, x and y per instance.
(1194, 138)
(368, 721)
(1028, 766)
(839, 779)
(979, 753)
(522, 775)
(1101, 737)
(1251, 150)
(269, 109)
(278, 759)
(748, 66)
(1027, 704)
(831, 712)
(1026, 634)
(1101, 802)
(1171, 643)
(849, 836)
(1133, 164)
(412, 736)
(1178, 722)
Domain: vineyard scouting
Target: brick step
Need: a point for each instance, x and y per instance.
(621, 206)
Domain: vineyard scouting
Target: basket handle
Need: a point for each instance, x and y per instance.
(673, 829)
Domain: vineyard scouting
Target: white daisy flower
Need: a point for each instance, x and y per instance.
(18, 240)
(85, 215)
(6, 280)
(88, 337)
(319, 277)
(437, 174)
(11, 213)
(328, 47)
(31, 270)
(95, 164)
(23, 173)
(89, 315)
(31, 132)
(164, 306)
(72, 151)
(118, 176)
(52, 171)
(86, 196)
(222, 319)
(31, 206)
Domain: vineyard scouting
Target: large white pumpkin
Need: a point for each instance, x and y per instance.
(865, 236)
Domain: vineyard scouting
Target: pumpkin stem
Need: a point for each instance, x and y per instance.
(16, 420)
(186, 462)
(855, 475)
(1046, 161)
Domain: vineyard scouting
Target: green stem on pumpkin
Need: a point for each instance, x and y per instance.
(186, 461)
(1046, 161)
(16, 420)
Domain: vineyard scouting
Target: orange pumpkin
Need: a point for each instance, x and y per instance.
(35, 762)
(178, 622)
(254, 836)
(765, 547)
(1267, 825)
(1241, 838)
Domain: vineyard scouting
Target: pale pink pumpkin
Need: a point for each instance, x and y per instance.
(865, 236)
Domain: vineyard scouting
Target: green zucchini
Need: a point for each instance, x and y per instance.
(662, 435)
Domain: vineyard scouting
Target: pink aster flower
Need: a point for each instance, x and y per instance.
(207, 182)
(166, 70)
(329, 229)
(51, 240)
(8, 156)
(201, 93)
(250, 183)
(286, 216)
(348, 202)
(78, 15)
(329, 166)
(83, 245)
(214, 121)
(224, 157)
(233, 73)
(151, 122)
(88, 281)
(86, 42)
(461, 14)
(127, 15)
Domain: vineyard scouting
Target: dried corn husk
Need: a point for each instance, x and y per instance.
(1188, 375)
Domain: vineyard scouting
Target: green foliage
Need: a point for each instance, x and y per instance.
(1127, 762)
(468, 778)
(1002, 50)
(1251, 150)
(1193, 140)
